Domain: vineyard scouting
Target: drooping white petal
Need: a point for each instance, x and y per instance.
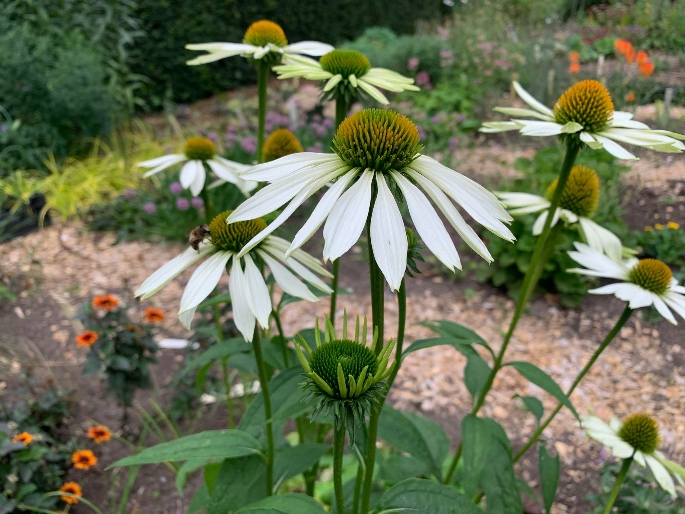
(663, 309)
(598, 262)
(284, 277)
(258, 296)
(189, 172)
(614, 148)
(347, 218)
(226, 170)
(172, 269)
(242, 314)
(373, 92)
(311, 262)
(521, 199)
(314, 48)
(590, 140)
(528, 98)
(332, 82)
(186, 318)
(284, 166)
(661, 474)
(305, 273)
(571, 128)
(198, 181)
(601, 239)
(607, 289)
(428, 223)
(675, 302)
(161, 163)
(204, 280)
(388, 235)
(540, 222)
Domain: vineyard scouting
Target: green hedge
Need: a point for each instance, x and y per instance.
(171, 24)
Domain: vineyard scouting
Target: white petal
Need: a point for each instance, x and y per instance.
(614, 148)
(172, 269)
(590, 140)
(511, 111)
(198, 181)
(675, 302)
(663, 477)
(283, 167)
(492, 127)
(284, 277)
(521, 199)
(601, 239)
(189, 172)
(663, 309)
(332, 82)
(373, 92)
(428, 223)
(186, 318)
(596, 261)
(347, 218)
(528, 98)
(204, 280)
(608, 289)
(540, 128)
(161, 163)
(242, 314)
(540, 222)
(571, 127)
(314, 48)
(258, 296)
(388, 236)
(226, 170)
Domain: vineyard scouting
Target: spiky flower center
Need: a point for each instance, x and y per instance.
(353, 357)
(345, 63)
(199, 148)
(641, 432)
(652, 275)
(263, 32)
(378, 139)
(280, 143)
(581, 194)
(587, 103)
(232, 237)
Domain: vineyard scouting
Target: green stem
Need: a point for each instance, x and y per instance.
(227, 387)
(262, 82)
(610, 336)
(338, 450)
(619, 481)
(279, 326)
(402, 319)
(358, 489)
(264, 380)
(209, 212)
(341, 108)
(529, 282)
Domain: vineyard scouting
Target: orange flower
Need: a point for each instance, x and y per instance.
(641, 57)
(574, 67)
(86, 338)
(83, 459)
(629, 54)
(630, 97)
(622, 46)
(153, 315)
(106, 302)
(24, 437)
(574, 56)
(646, 68)
(73, 488)
(99, 434)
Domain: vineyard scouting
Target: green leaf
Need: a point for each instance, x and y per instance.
(488, 465)
(207, 446)
(396, 468)
(240, 482)
(293, 460)
(215, 300)
(543, 380)
(284, 504)
(420, 437)
(200, 500)
(418, 496)
(217, 351)
(532, 404)
(455, 331)
(550, 467)
(476, 372)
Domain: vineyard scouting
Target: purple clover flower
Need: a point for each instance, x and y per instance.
(175, 187)
(249, 144)
(182, 204)
(150, 208)
(197, 202)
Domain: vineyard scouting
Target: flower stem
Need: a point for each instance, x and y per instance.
(530, 280)
(284, 348)
(227, 387)
(209, 212)
(619, 481)
(262, 82)
(341, 108)
(610, 336)
(338, 449)
(264, 380)
(402, 319)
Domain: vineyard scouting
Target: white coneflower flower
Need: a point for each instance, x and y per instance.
(586, 111)
(637, 437)
(345, 72)
(645, 282)
(380, 147)
(249, 294)
(262, 39)
(198, 152)
(578, 203)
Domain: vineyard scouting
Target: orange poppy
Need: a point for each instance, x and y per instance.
(646, 68)
(574, 56)
(83, 459)
(153, 315)
(24, 437)
(630, 97)
(86, 338)
(574, 67)
(106, 302)
(641, 57)
(73, 488)
(99, 434)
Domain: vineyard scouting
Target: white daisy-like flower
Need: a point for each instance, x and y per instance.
(578, 203)
(637, 437)
(376, 151)
(250, 296)
(643, 283)
(586, 111)
(262, 39)
(346, 72)
(198, 152)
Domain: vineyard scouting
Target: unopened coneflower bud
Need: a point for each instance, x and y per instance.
(199, 148)
(641, 432)
(280, 143)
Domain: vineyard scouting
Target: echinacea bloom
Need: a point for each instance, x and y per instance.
(198, 152)
(381, 146)
(585, 111)
(99, 434)
(107, 302)
(636, 437)
(578, 203)
(262, 39)
(346, 72)
(24, 437)
(153, 315)
(86, 338)
(280, 143)
(643, 283)
(71, 488)
(83, 459)
(221, 251)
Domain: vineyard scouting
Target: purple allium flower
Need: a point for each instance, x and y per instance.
(129, 193)
(182, 204)
(175, 187)
(213, 137)
(197, 202)
(445, 54)
(150, 208)
(413, 63)
(424, 79)
(249, 144)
